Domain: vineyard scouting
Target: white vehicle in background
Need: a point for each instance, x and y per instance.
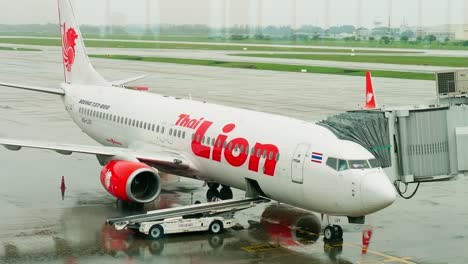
(213, 224)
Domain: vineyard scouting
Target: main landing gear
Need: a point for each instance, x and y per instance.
(214, 194)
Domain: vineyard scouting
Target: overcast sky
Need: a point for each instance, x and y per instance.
(273, 12)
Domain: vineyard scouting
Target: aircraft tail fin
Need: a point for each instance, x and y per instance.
(76, 65)
(370, 95)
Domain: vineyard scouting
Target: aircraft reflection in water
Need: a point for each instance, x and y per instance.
(283, 228)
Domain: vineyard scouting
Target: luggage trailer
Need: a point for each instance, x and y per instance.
(213, 217)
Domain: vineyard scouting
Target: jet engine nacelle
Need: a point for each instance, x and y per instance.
(131, 181)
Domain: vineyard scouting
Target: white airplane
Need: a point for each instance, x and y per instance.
(143, 134)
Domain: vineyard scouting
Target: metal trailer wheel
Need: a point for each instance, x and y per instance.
(156, 232)
(216, 227)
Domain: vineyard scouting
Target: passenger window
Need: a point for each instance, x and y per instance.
(241, 150)
(198, 138)
(264, 154)
(144, 125)
(179, 133)
(230, 146)
(219, 143)
(170, 132)
(118, 119)
(277, 156)
(162, 130)
(342, 165)
(115, 118)
(193, 136)
(270, 157)
(141, 124)
(183, 135)
(157, 129)
(331, 162)
(212, 141)
(258, 153)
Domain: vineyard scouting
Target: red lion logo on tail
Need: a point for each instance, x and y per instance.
(68, 43)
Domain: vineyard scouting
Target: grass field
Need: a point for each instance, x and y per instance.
(274, 67)
(393, 59)
(152, 45)
(451, 45)
(18, 49)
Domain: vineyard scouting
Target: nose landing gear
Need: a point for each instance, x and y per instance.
(333, 232)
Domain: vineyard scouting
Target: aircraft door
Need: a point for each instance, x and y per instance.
(297, 163)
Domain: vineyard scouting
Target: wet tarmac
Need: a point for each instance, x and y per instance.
(37, 225)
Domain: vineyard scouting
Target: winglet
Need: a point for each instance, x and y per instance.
(370, 95)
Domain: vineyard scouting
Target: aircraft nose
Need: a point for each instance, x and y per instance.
(377, 192)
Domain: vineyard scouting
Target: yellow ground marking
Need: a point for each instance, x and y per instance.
(258, 248)
(388, 258)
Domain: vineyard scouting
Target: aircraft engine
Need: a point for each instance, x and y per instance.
(131, 181)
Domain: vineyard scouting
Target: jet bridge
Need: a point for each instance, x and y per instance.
(415, 144)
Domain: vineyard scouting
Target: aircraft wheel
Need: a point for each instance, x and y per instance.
(329, 233)
(156, 232)
(216, 227)
(339, 232)
(333, 232)
(213, 185)
(212, 195)
(226, 193)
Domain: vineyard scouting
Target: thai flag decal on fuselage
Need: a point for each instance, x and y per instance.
(317, 157)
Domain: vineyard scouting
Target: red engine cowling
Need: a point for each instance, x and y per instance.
(131, 181)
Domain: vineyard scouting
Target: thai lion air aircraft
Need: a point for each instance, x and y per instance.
(288, 160)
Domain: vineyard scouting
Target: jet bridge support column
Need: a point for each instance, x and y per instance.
(404, 146)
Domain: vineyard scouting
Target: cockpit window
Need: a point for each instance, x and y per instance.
(331, 162)
(374, 163)
(359, 164)
(342, 165)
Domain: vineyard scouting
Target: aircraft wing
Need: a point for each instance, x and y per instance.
(34, 88)
(166, 161)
